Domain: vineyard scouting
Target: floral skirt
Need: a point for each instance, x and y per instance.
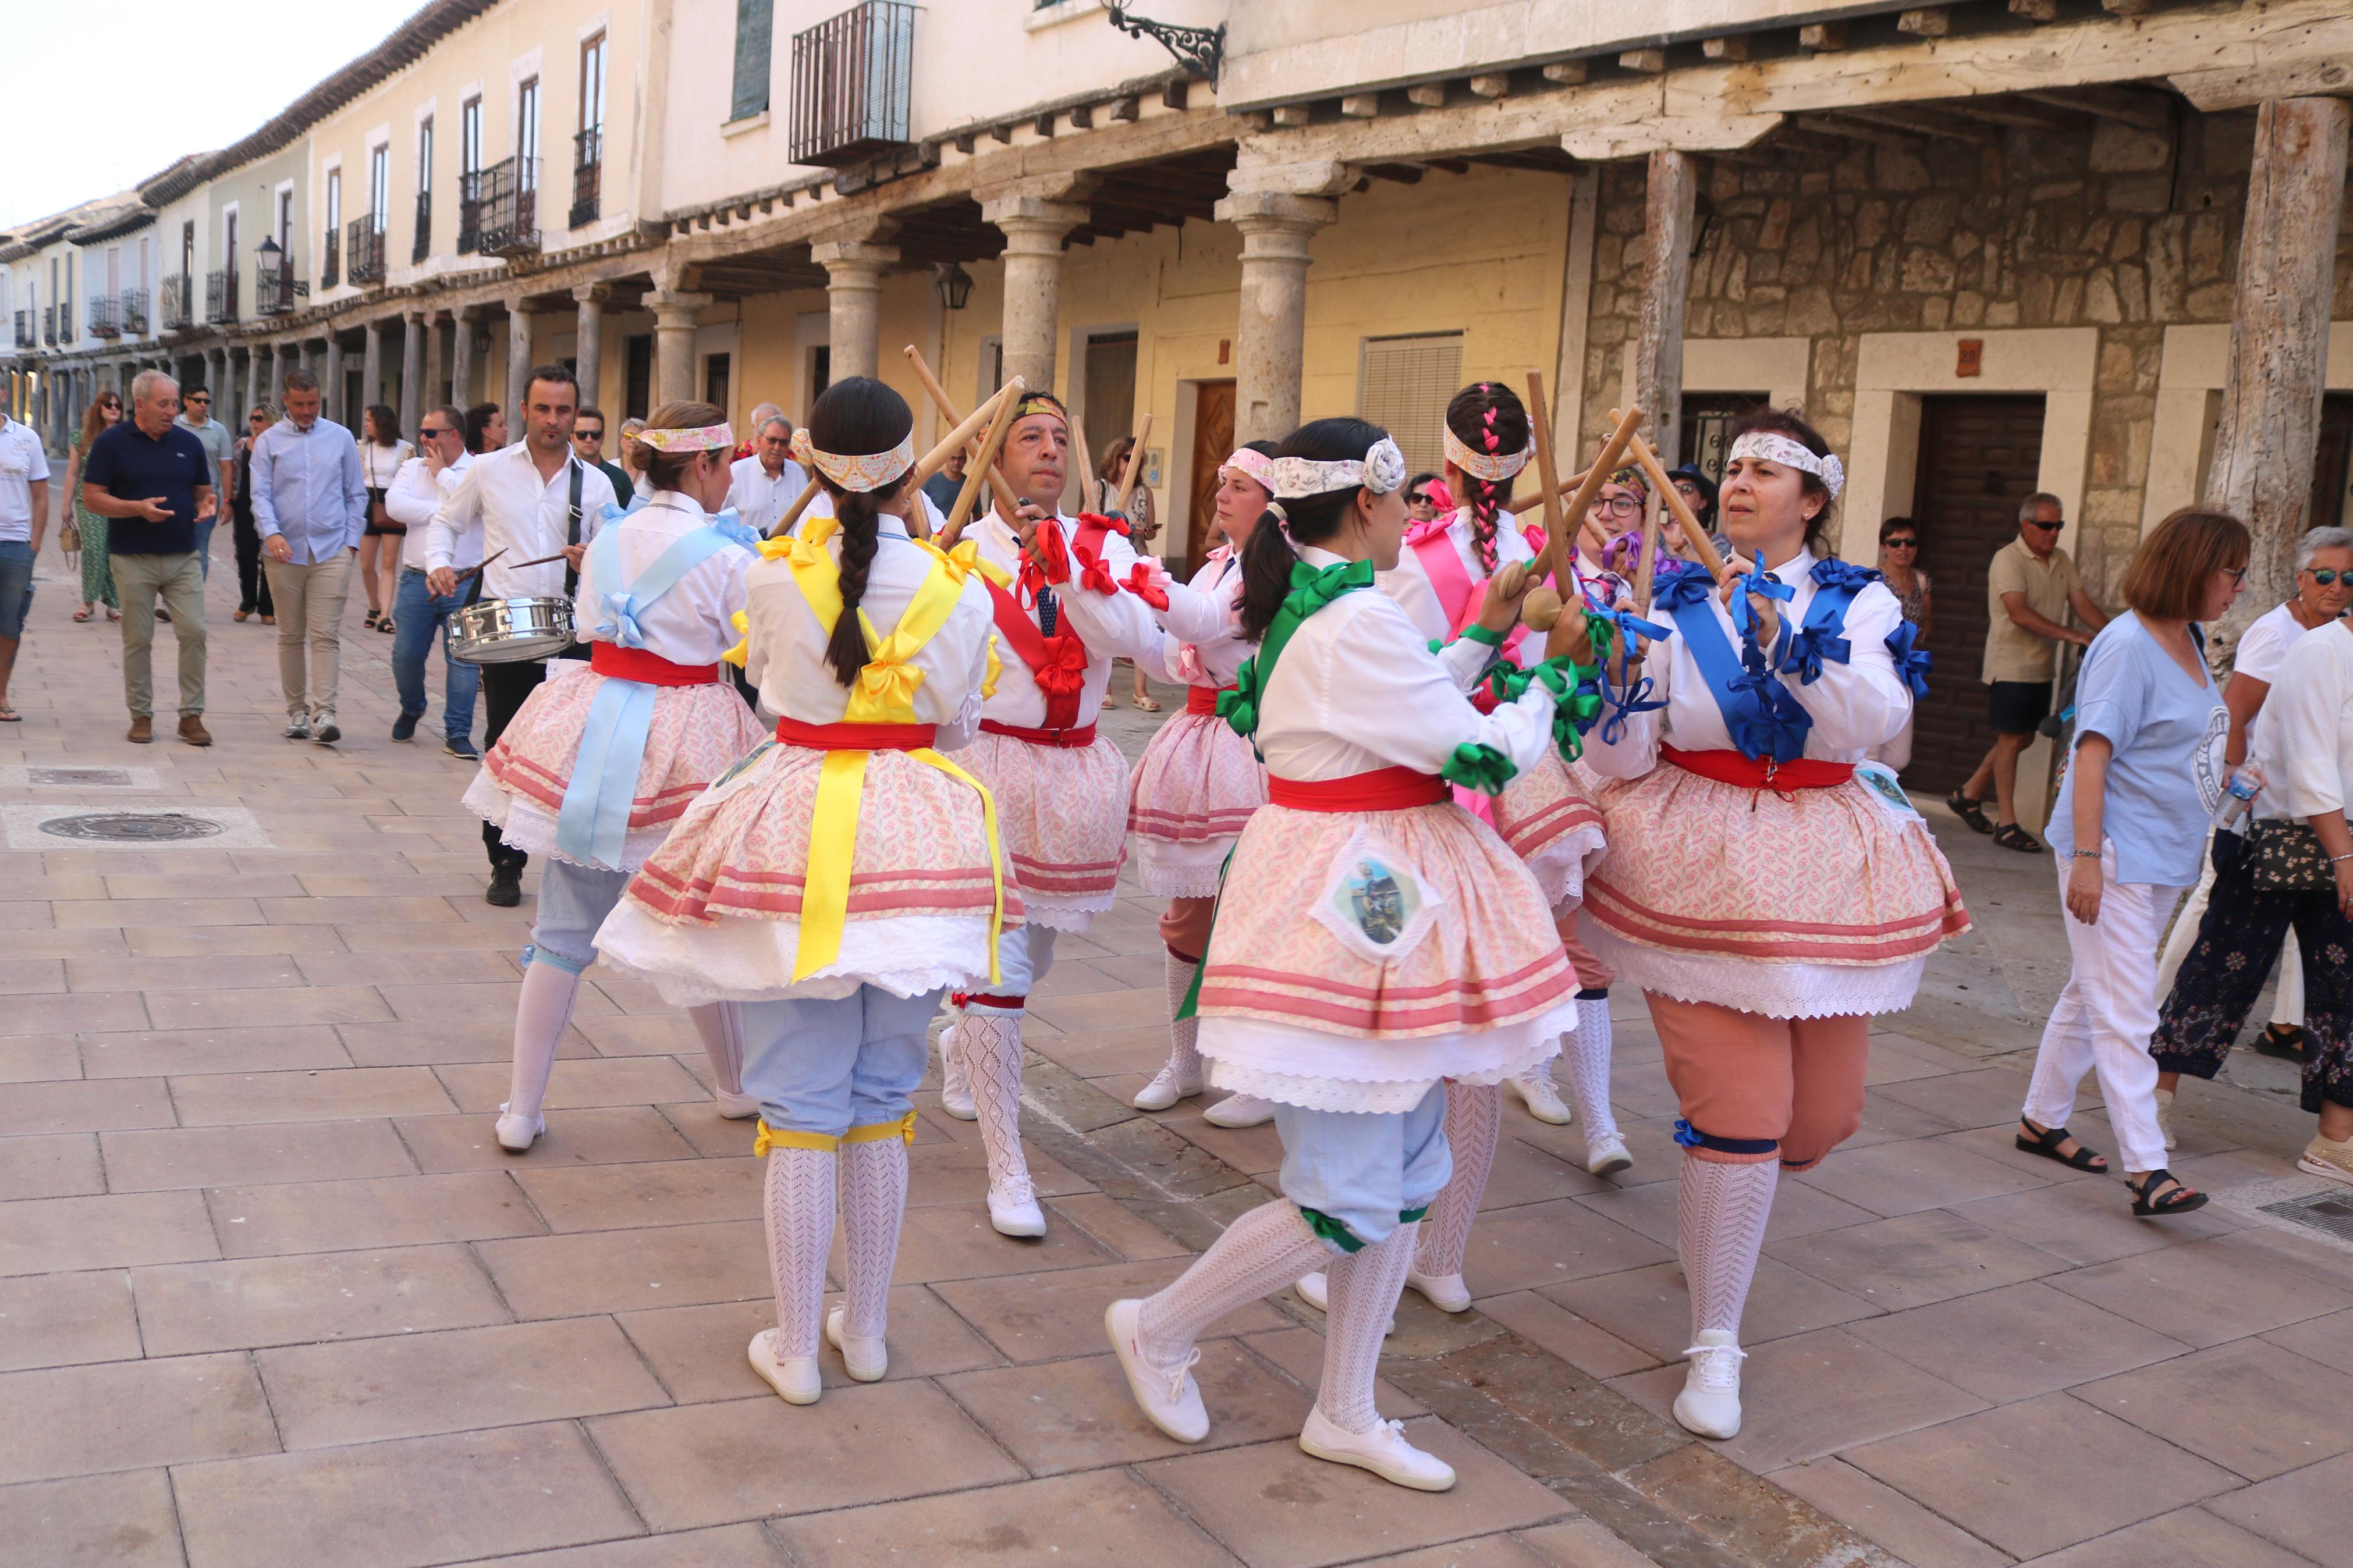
(1192, 795)
(1063, 812)
(1548, 817)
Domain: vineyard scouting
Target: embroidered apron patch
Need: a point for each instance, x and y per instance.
(1374, 900)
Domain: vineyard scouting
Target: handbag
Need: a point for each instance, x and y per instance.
(2287, 857)
(69, 537)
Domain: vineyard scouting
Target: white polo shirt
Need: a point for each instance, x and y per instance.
(23, 464)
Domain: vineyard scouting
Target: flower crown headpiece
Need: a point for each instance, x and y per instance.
(1381, 471)
(702, 439)
(1768, 447)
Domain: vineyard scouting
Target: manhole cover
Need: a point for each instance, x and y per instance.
(116, 778)
(2331, 1214)
(119, 827)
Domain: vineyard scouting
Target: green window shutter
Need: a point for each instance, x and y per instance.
(754, 23)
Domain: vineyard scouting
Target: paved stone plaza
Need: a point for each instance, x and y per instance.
(270, 1294)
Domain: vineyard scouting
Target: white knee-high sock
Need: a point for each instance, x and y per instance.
(1475, 1125)
(873, 1201)
(541, 1013)
(1266, 1249)
(721, 1024)
(1721, 1210)
(799, 1213)
(1587, 1047)
(1183, 1059)
(1363, 1288)
(991, 1046)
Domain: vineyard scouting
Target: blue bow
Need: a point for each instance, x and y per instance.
(1680, 589)
(620, 622)
(735, 529)
(1834, 572)
(1624, 703)
(1809, 648)
(1911, 662)
(1685, 1134)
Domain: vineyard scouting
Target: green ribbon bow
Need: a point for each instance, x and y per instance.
(1478, 768)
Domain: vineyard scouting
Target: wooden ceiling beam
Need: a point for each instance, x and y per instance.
(2145, 111)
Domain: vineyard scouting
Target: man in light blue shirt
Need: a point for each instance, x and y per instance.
(310, 505)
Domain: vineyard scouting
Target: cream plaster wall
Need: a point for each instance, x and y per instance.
(2188, 402)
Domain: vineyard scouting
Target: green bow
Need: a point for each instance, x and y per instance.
(1479, 768)
(1311, 588)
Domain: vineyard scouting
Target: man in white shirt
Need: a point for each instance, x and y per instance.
(23, 518)
(415, 495)
(768, 481)
(532, 500)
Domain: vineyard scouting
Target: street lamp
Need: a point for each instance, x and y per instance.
(953, 284)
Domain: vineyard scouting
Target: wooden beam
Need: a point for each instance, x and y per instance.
(2214, 92)
(2125, 7)
(2011, 112)
(1926, 123)
(1929, 24)
(1669, 219)
(1176, 94)
(1125, 108)
(1822, 38)
(1651, 62)
(2149, 110)
(1403, 173)
(1290, 114)
(1732, 47)
(1850, 130)
(2035, 11)
(1361, 105)
(1082, 118)
(1427, 94)
(1568, 73)
(1491, 87)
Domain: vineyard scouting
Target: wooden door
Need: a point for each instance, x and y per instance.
(1213, 443)
(2332, 469)
(1979, 460)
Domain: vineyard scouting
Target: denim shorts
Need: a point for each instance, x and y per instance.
(16, 585)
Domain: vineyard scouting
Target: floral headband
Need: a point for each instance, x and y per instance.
(1382, 470)
(1492, 466)
(871, 471)
(1767, 447)
(702, 439)
(1256, 466)
(1040, 403)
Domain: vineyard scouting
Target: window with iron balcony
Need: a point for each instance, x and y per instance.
(220, 295)
(330, 263)
(505, 207)
(274, 289)
(850, 81)
(367, 237)
(134, 311)
(178, 310)
(103, 323)
(587, 170)
(26, 335)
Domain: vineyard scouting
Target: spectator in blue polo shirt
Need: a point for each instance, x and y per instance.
(152, 476)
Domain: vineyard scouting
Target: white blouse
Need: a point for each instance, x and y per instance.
(1408, 582)
(2305, 744)
(1112, 625)
(1206, 615)
(691, 623)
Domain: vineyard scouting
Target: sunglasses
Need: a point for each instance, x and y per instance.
(429, 430)
(1417, 499)
(588, 435)
(1903, 544)
(198, 399)
(2045, 527)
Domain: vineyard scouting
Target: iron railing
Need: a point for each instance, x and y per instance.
(179, 310)
(275, 288)
(331, 258)
(220, 295)
(500, 208)
(367, 251)
(134, 311)
(587, 176)
(851, 78)
(103, 321)
(470, 211)
(423, 247)
(48, 326)
(27, 335)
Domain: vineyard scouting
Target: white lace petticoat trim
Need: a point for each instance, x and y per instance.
(1251, 1056)
(1169, 870)
(1771, 990)
(523, 823)
(751, 960)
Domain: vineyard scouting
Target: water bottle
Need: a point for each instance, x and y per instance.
(2246, 781)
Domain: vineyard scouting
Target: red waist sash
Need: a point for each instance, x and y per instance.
(1203, 700)
(856, 737)
(1382, 789)
(1748, 772)
(650, 668)
(1072, 739)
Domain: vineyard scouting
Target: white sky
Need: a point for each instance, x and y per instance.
(102, 95)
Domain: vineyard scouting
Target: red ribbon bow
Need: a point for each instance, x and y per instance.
(1047, 561)
(1093, 574)
(1064, 670)
(1145, 586)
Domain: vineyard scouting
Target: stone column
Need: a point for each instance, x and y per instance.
(1271, 338)
(412, 369)
(273, 390)
(519, 363)
(462, 359)
(590, 352)
(371, 368)
(333, 380)
(2279, 343)
(853, 290)
(674, 316)
(1668, 214)
(1034, 224)
(432, 396)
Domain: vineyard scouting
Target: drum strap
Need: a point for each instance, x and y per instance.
(572, 529)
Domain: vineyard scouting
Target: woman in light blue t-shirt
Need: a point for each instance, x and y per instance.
(2128, 829)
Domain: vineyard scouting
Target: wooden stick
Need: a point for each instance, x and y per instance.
(958, 440)
(1694, 535)
(1647, 563)
(1580, 505)
(1528, 504)
(997, 483)
(1540, 427)
(1134, 466)
(1085, 453)
(793, 513)
(985, 459)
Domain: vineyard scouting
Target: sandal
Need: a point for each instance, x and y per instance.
(1969, 811)
(241, 615)
(2010, 836)
(112, 614)
(370, 622)
(1147, 705)
(9, 715)
(385, 626)
(81, 614)
(2046, 1143)
(2281, 1042)
(2177, 1199)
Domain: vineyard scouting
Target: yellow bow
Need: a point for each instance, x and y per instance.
(885, 694)
(740, 654)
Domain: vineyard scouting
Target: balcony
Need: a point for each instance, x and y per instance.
(220, 295)
(103, 321)
(850, 79)
(587, 176)
(499, 208)
(275, 288)
(26, 333)
(367, 251)
(179, 312)
(423, 247)
(48, 326)
(135, 312)
(330, 259)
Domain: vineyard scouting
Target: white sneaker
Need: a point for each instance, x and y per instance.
(1383, 1450)
(1165, 1089)
(1537, 1089)
(864, 1356)
(1013, 1209)
(517, 1133)
(736, 1107)
(1710, 1402)
(1240, 1111)
(1169, 1397)
(1444, 1292)
(2328, 1157)
(955, 1086)
(1317, 1291)
(298, 727)
(795, 1381)
(2165, 1118)
(1608, 1156)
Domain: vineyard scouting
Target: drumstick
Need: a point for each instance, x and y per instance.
(996, 481)
(983, 463)
(1694, 534)
(1646, 563)
(542, 561)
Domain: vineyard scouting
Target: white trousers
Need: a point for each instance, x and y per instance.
(2287, 1000)
(2103, 1020)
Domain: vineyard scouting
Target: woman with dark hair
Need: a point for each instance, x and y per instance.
(1899, 568)
(1143, 528)
(1420, 503)
(252, 582)
(1374, 940)
(607, 752)
(486, 429)
(97, 574)
(835, 884)
(381, 455)
(2128, 829)
(1766, 894)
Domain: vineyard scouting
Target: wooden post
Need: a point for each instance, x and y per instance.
(2279, 344)
(1669, 216)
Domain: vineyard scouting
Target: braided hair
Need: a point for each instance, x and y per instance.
(853, 416)
(1488, 418)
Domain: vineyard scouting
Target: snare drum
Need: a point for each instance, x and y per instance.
(506, 631)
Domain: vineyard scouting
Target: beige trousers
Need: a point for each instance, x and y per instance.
(309, 601)
(179, 579)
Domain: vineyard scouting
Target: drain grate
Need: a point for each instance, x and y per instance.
(57, 778)
(2331, 1214)
(124, 828)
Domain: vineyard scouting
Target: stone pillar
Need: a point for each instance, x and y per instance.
(2279, 343)
(371, 368)
(519, 363)
(674, 316)
(1033, 226)
(1271, 338)
(333, 380)
(590, 352)
(1668, 214)
(432, 394)
(273, 390)
(853, 290)
(461, 360)
(412, 369)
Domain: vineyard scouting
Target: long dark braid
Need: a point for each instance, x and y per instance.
(1488, 418)
(853, 417)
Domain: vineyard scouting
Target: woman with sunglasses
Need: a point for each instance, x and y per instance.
(1899, 568)
(252, 582)
(97, 574)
